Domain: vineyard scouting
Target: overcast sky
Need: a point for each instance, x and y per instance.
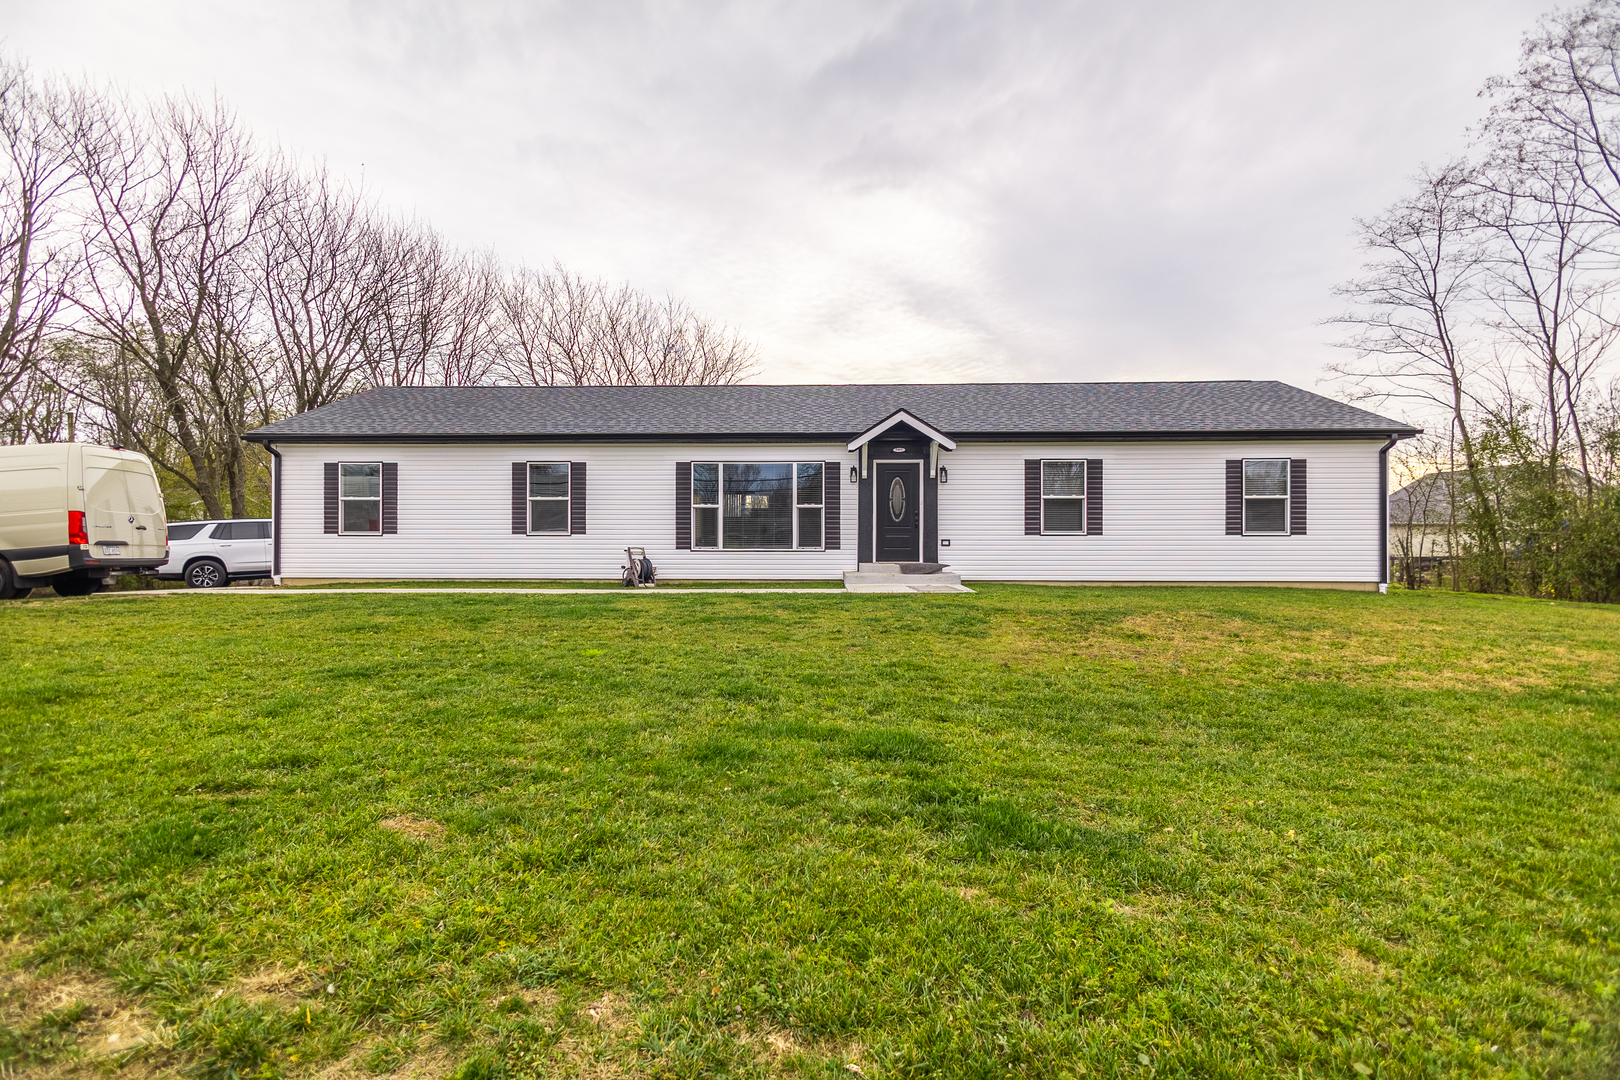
(873, 191)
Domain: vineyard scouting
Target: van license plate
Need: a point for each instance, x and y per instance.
(111, 549)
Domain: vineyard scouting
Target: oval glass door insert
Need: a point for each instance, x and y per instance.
(897, 499)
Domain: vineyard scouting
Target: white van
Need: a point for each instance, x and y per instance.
(72, 515)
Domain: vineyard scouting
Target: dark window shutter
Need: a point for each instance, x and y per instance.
(1094, 504)
(1296, 497)
(331, 501)
(1032, 497)
(1234, 497)
(832, 495)
(390, 497)
(683, 506)
(576, 498)
(520, 497)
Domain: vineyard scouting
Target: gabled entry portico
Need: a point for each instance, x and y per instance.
(899, 489)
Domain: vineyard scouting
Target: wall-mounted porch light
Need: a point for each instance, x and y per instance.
(854, 474)
(944, 474)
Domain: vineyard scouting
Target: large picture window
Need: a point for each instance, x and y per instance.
(1063, 496)
(1265, 496)
(360, 497)
(758, 506)
(548, 497)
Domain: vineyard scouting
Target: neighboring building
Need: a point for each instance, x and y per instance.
(1252, 482)
(1431, 513)
(1421, 526)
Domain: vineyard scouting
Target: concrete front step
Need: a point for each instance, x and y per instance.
(862, 587)
(888, 578)
(902, 579)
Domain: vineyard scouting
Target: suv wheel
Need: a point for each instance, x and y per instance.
(206, 574)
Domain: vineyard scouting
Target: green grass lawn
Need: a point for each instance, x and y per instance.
(1028, 832)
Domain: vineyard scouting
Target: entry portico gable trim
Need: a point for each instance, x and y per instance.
(901, 416)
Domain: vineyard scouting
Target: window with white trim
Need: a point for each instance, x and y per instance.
(778, 505)
(360, 498)
(1063, 496)
(1265, 496)
(548, 497)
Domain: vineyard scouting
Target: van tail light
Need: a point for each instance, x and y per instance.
(76, 530)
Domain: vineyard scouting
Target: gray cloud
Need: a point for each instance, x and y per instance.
(889, 190)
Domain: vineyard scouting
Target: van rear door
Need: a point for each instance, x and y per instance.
(122, 507)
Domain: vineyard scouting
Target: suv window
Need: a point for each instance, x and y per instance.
(225, 530)
(184, 532)
(258, 530)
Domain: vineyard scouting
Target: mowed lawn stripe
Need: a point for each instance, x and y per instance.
(1230, 832)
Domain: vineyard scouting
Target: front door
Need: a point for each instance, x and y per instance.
(898, 495)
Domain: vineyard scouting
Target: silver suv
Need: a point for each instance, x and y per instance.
(211, 554)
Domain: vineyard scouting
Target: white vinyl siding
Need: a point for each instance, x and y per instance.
(455, 498)
(1165, 510)
(1165, 507)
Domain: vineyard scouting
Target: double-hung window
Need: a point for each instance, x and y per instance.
(1063, 496)
(1265, 496)
(548, 497)
(757, 506)
(360, 498)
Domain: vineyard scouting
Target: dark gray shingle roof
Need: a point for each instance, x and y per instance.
(962, 410)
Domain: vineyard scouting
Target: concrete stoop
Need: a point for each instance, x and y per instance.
(893, 578)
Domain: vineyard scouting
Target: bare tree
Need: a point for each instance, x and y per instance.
(548, 323)
(320, 269)
(1550, 285)
(175, 197)
(1412, 309)
(215, 287)
(435, 316)
(1561, 107)
(560, 329)
(35, 178)
(1554, 140)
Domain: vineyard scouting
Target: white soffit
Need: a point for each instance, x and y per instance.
(902, 417)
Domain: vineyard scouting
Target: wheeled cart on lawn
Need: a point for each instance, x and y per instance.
(640, 573)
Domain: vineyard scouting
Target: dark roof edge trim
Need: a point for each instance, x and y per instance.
(843, 437)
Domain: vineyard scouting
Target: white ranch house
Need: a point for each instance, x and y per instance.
(1192, 482)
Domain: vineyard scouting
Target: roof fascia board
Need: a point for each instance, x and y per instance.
(901, 416)
(834, 437)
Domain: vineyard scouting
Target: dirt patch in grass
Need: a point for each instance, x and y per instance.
(783, 1051)
(70, 1022)
(611, 1013)
(432, 1064)
(277, 986)
(1358, 964)
(417, 828)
